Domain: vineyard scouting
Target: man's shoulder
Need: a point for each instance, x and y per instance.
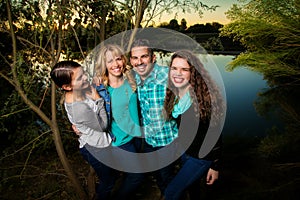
(161, 68)
(161, 73)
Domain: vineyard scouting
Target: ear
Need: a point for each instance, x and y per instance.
(153, 58)
(67, 87)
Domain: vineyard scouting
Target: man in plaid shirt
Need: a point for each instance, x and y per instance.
(151, 86)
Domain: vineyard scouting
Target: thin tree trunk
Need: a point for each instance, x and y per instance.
(60, 148)
(52, 123)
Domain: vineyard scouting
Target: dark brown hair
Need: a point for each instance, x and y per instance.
(203, 97)
(141, 43)
(62, 72)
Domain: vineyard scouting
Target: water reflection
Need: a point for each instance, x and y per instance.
(242, 89)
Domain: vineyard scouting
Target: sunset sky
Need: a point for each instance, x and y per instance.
(208, 17)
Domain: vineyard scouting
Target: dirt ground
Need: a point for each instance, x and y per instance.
(244, 176)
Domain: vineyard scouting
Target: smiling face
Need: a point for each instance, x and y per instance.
(142, 61)
(79, 79)
(180, 74)
(114, 64)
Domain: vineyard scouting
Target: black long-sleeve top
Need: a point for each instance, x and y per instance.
(192, 132)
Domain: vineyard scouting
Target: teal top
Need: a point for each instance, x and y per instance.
(183, 104)
(125, 120)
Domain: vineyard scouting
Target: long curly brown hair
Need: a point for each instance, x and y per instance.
(204, 92)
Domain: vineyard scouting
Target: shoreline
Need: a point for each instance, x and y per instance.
(228, 53)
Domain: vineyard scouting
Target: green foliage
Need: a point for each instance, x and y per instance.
(280, 147)
(282, 143)
(213, 43)
(270, 30)
(274, 69)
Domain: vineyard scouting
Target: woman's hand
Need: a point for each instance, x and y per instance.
(97, 80)
(212, 176)
(75, 129)
(93, 94)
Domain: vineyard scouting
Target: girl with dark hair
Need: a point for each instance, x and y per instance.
(191, 96)
(85, 110)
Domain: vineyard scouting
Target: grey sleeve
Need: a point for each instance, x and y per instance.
(101, 113)
(86, 119)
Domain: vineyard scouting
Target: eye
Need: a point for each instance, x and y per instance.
(145, 56)
(79, 78)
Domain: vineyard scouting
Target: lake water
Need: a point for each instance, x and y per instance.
(241, 88)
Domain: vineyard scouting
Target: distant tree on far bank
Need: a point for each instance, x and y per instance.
(207, 35)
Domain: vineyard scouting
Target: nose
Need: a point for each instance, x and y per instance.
(85, 76)
(178, 72)
(139, 61)
(114, 63)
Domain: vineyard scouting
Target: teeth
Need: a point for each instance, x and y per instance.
(178, 80)
(141, 68)
(117, 69)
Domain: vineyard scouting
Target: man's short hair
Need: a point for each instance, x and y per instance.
(142, 43)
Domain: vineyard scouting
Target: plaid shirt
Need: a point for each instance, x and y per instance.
(151, 94)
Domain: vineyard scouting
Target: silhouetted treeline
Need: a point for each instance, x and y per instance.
(207, 35)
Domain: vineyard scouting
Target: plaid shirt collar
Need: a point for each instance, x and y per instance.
(152, 76)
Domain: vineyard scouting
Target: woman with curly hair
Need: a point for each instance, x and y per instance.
(190, 99)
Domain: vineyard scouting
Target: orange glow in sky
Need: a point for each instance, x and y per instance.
(207, 17)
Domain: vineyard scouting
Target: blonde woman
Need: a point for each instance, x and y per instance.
(115, 77)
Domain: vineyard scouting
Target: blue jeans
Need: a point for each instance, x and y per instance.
(105, 174)
(191, 170)
(131, 180)
(164, 175)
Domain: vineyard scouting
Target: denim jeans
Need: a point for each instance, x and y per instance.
(191, 170)
(131, 180)
(105, 174)
(164, 175)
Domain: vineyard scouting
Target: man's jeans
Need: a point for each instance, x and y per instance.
(164, 175)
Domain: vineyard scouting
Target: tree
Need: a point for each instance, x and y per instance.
(174, 25)
(29, 47)
(144, 11)
(36, 34)
(270, 31)
(196, 28)
(183, 25)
